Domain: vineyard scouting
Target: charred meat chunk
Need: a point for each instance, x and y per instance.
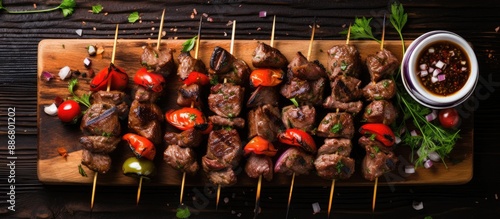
(378, 159)
(116, 98)
(238, 74)
(188, 64)
(334, 166)
(265, 56)
(237, 122)
(336, 125)
(258, 164)
(305, 70)
(340, 146)
(97, 162)
(264, 121)
(308, 92)
(101, 119)
(350, 107)
(226, 99)
(345, 88)
(382, 90)
(381, 64)
(221, 60)
(161, 61)
(224, 150)
(380, 111)
(144, 95)
(189, 138)
(99, 144)
(181, 158)
(263, 95)
(223, 177)
(145, 120)
(343, 60)
(188, 95)
(302, 117)
(294, 160)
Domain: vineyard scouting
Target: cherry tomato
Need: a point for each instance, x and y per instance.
(266, 77)
(380, 132)
(187, 118)
(196, 78)
(298, 137)
(69, 111)
(259, 145)
(449, 118)
(118, 77)
(149, 80)
(141, 146)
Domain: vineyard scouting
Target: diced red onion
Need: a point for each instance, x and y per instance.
(452, 53)
(431, 69)
(441, 77)
(440, 64)
(434, 156)
(423, 66)
(431, 50)
(418, 205)
(51, 110)
(424, 73)
(65, 72)
(434, 79)
(413, 133)
(409, 169)
(464, 69)
(263, 14)
(428, 164)
(316, 208)
(436, 72)
(397, 140)
(87, 62)
(47, 75)
(431, 116)
(463, 62)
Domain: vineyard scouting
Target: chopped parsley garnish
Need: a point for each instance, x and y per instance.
(336, 128)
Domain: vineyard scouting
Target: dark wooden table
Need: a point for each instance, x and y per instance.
(476, 21)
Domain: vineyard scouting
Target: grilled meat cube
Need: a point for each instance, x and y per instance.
(226, 99)
(345, 89)
(97, 162)
(299, 117)
(262, 96)
(116, 98)
(340, 146)
(378, 159)
(145, 120)
(144, 95)
(221, 60)
(188, 64)
(334, 166)
(237, 122)
(294, 160)
(187, 95)
(181, 158)
(258, 164)
(350, 107)
(99, 144)
(189, 138)
(238, 74)
(224, 150)
(304, 69)
(264, 121)
(382, 90)
(161, 61)
(265, 56)
(309, 92)
(223, 177)
(380, 111)
(381, 64)
(336, 125)
(343, 60)
(101, 119)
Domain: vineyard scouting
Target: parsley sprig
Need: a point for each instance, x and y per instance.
(361, 29)
(398, 20)
(67, 7)
(84, 99)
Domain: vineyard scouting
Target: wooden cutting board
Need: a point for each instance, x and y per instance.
(53, 54)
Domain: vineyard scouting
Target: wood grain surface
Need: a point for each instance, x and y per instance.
(52, 168)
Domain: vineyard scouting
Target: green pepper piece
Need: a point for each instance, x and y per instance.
(138, 167)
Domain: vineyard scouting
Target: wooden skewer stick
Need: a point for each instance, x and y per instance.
(160, 31)
(348, 35)
(231, 49)
(383, 35)
(332, 188)
(312, 39)
(198, 39)
(182, 187)
(257, 197)
(139, 189)
(93, 191)
(114, 45)
(290, 195)
(272, 32)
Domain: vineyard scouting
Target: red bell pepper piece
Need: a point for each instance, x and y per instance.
(141, 146)
(118, 77)
(187, 118)
(380, 132)
(259, 145)
(196, 78)
(149, 80)
(298, 137)
(266, 77)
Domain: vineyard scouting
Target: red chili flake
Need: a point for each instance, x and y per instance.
(58, 100)
(63, 152)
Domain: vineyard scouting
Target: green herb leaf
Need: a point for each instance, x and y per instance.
(336, 128)
(398, 20)
(361, 29)
(192, 117)
(1, 6)
(189, 44)
(183, 212)
(133, 17)
(84, 99)
(82, 171)
(339, 166)
(67, 7)
(96, 9)
(294, 101)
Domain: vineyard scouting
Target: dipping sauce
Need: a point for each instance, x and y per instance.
(443, 68)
